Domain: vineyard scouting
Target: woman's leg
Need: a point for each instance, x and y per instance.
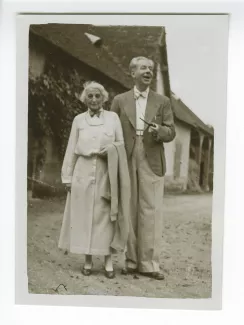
(88, 262)
(108, 263)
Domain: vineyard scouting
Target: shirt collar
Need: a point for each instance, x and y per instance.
(138, 92)
(90, 111)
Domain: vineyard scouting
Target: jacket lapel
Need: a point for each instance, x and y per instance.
(130, 108)
(151, 108)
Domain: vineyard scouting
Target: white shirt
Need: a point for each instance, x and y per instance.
(141, 103)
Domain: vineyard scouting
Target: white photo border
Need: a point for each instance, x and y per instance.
(234, 91)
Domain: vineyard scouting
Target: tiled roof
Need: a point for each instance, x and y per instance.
(112, 59)
(184, 114)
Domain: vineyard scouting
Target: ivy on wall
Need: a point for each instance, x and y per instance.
(53, 104)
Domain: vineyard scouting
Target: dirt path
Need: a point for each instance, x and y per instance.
(185, 257)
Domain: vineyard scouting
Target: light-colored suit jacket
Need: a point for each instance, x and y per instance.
(158, 110)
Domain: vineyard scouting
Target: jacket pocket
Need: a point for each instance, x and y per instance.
(108, 133)
(157, 118)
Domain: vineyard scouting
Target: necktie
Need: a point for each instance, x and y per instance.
(95, 113)
(138, 94)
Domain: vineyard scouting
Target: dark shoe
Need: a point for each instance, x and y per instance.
(109, 274)
(86, 272)
(153, 275)
(128, 270)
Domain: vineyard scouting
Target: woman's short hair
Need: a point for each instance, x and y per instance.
(134, 62)
(93, 85)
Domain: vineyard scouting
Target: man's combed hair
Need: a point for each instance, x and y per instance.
(134, 62)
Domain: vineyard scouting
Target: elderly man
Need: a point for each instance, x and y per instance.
(146, 160)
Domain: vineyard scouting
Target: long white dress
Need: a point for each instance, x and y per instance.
(86, 227)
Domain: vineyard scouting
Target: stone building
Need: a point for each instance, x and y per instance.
(103, 54)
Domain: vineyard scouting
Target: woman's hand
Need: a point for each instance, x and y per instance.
(103, 152)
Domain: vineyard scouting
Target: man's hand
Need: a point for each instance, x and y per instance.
(154, 129)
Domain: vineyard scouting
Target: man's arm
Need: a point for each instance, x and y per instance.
(166, 131)
(115, 106)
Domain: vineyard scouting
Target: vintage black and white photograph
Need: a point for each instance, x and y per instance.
(122, 122)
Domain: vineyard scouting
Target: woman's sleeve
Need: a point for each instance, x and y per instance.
(70, 156)
(118, 130)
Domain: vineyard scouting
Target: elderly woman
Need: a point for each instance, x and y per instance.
(87, 227)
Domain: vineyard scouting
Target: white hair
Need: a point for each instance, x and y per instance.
(93, 85)
(134, 62)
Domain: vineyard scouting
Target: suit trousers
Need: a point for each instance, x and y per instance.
(147, 190)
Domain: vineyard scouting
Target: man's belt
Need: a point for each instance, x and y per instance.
(139, 132)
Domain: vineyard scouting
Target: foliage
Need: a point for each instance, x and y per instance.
(53, 103)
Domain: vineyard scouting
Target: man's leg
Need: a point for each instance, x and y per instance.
(150, 215)
(131, 254)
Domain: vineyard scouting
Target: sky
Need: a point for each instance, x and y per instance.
(197, 58)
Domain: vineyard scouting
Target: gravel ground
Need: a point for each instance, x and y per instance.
(185, 254)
